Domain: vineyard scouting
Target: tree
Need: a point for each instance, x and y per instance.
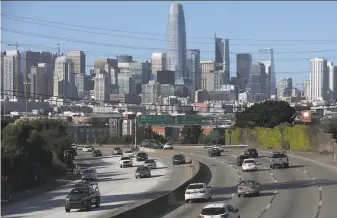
(191, 134)
(266, 114)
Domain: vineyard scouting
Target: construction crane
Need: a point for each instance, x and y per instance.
(14, 44)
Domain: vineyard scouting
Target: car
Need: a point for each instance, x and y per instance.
(125, 161)
(87, 149)
(219, 147)
(97, 153)
(150, 163)
(214, 152)
(128, 153)
(240, 158)
(251, 153)
(178, 159)
(248, 187)
(157, 145)
(142, 156)
(198, 191)
(249, 165)
(219, 210)
(168, 146)
(142, 171)
(117, 151)
(278, 159)
(83, 197)
(89, 174)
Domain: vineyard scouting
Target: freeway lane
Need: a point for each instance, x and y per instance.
(224, 178)
(118, 187)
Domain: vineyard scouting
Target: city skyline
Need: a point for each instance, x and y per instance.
(296, 64)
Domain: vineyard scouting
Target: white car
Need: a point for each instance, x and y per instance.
(125, 161)
(87, 149)
(219, 210)
(168, 146)
(249, 165)
(198, 191)
(128, 153)
(150, 163)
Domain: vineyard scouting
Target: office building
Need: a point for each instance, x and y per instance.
(176, 41)
(80, 84)
(28, 59)
(257, 81)
(284, 87)
(206, 66)
(49, 60)
(266, 56)
(243, 70)
(78, 58)
(158, 62)
(166, 77)
(124, 58)
(102, 87)
(222, 58)
(307, 89)
(126, 85)
(38, 85)
(99, 64)
(332, 70)
(150, 92)
(319, 79)
(64, 78)
(12, 78)
(193, 67)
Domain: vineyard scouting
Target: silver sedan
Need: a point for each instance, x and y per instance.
(248, 187)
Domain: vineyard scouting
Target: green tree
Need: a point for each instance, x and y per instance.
(269, 113)
(191, 134)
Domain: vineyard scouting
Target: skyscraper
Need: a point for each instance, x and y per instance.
(222, 60)
(319, 79)
(243, 68)
(13, 82)
(193, 67)
(158, 62)
(266, 56)
(176, 41)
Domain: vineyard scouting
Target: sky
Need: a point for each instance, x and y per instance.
(296, 31)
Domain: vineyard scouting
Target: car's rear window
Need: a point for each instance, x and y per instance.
(197, 186)
(279, 156)
(252, 150)
(125, 158)
(141, 154)
(213, 211)
(75, 192)
(128, 152)
(149, 161)
(87, 171)
(141, 168)
(242, 157)
(179, 156)
(249, 161)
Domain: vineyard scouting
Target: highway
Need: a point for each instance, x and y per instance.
(118, 187)
(306, 189)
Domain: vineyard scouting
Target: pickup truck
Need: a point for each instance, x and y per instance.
(278, 159)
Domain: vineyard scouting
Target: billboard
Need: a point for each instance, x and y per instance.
(306, 116)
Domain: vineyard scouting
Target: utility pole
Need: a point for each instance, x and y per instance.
(26, 84)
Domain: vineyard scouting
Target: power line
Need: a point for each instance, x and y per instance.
(89, 65)
(25, 19)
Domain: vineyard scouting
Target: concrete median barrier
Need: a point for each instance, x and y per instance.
(171, 200)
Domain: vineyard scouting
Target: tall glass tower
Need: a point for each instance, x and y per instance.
(176, 41)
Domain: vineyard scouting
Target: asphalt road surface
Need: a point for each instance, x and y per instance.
(306, 189)
(118, 187)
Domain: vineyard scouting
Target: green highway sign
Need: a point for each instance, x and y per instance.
(155, 119)
(188, 120)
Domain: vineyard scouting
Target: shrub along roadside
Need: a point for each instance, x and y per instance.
(297, 137)
(32, 153)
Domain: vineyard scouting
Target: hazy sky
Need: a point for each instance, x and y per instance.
(296, 31)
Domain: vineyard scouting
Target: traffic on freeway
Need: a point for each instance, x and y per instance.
(106, 188)
(278, 185)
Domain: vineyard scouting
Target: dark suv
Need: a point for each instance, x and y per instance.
(251, 153)
(240, 158)
(83, 197)
(96, 153)
(214, 152)
(142, 156)
(178, 159)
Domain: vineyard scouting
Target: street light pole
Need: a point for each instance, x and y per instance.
(136, 131)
